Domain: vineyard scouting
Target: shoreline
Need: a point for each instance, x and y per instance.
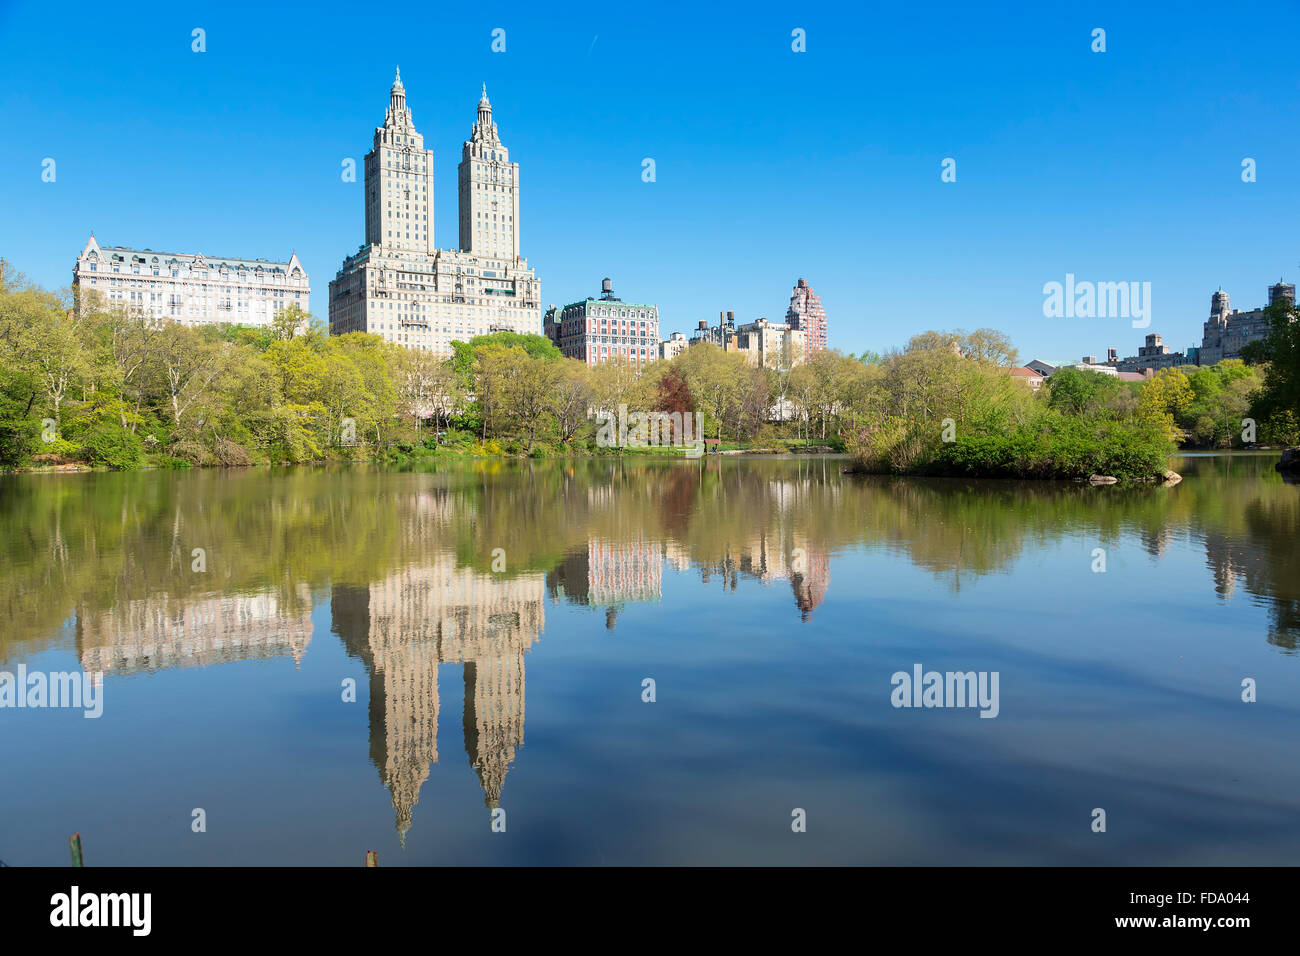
(1169, 478)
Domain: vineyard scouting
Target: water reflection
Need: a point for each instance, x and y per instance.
(113, 551)
(149, 634)
(402, 628)
(405, 563)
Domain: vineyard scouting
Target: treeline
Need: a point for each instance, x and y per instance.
(86, 383)
(946, 405)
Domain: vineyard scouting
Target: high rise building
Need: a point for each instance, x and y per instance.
(192, 289)
(399, 285)
(807, 315)
(489, 191)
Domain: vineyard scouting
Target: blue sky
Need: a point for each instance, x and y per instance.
(770, 164)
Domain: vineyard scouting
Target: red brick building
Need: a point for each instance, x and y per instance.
(807, 315)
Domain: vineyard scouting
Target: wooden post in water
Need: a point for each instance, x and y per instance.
(372, 858)
(74, 844)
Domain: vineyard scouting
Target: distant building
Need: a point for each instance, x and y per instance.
(1042, 368)
(192, 289)
(1087, 366)
(718, 334)
(1224, 334)
(1226, 331)
(1153, 355)
(1035, 379)
(596, 330)
(673, 346)
(807, 315)
(765, 344)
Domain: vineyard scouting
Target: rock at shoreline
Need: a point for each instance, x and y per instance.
(1172, 478)
(1102, 480)
(1290, 461)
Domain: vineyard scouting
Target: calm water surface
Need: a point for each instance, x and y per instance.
(769, 600)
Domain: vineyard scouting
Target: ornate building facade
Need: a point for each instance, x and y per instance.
(192, 289)
(399, 285)
(597, 330)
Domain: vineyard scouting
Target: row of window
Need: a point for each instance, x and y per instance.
(198, 274)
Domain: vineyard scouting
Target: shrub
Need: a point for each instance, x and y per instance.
(1060, 447)
(112, 446)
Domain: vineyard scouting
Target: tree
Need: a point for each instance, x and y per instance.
(532, 391)
(131, 340)
(573, 397)
(716, 381)
(492, 365)
(427, 385)
(1163, 397)
(289, 322)
(1278, 399)
(990, 347)
(56, 344)
(1078, 391)
(190, 367)
(613, 383)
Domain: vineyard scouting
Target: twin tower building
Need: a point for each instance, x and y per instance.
(399, 284)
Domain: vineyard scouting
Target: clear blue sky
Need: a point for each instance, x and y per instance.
(771, 165)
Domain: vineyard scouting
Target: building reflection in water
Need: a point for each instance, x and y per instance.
(413, 609)
(146, 635)
(402, 628)
(610, 574)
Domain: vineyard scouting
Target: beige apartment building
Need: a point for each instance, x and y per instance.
(399, 285)
(775, 345)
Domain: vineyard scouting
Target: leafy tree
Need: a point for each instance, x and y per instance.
(1279, 354)
(1079, 391)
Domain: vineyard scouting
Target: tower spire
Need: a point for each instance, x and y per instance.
(397, 101)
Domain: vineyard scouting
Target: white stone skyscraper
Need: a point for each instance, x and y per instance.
(399, 180)
(489, 191)
(399, 285)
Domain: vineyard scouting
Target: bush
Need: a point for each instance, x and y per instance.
(16, 438)
(112, 446)
(1057, 447)
(169, 463)
(893, 445)
(768, 439)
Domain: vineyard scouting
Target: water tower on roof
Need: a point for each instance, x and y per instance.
(607, 290)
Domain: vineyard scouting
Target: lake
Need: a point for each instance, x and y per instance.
(651, 662)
